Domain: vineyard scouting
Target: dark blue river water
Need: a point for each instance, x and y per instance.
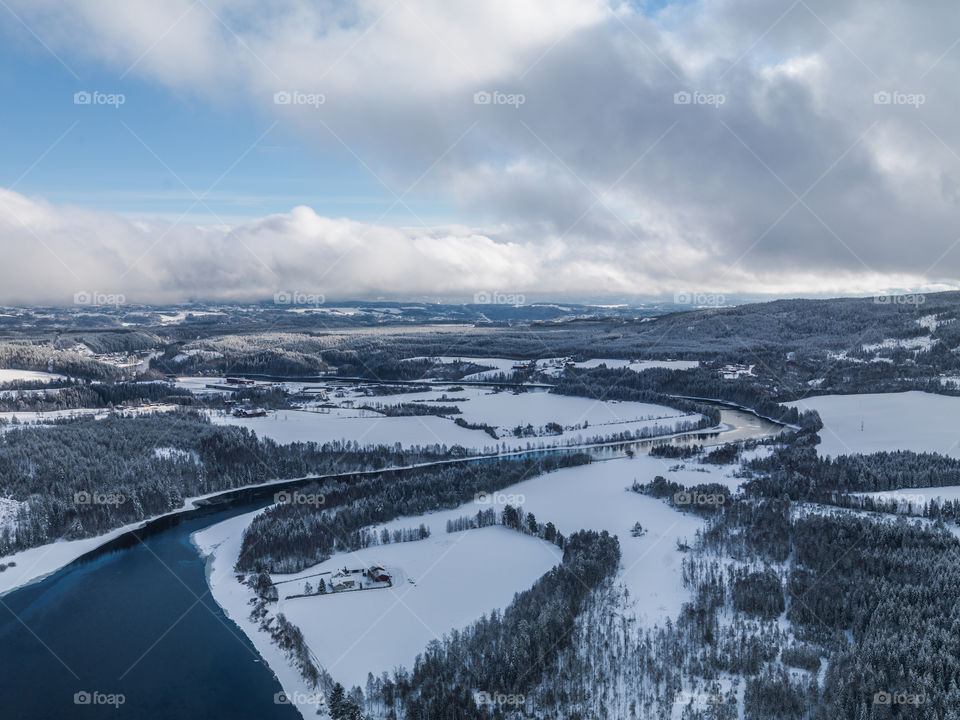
(139, 622)
(135, 622)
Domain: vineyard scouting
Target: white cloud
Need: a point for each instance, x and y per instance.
(599, 182)
(56, 251)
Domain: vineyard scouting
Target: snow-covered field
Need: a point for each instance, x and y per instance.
(914, 420)
(555, 366)
(584, 420)
(506, 410)
(455, 577)
(636, 366)
(914, 499)
(459, 576)
(595, 497)
(286, 426)
(10, 375)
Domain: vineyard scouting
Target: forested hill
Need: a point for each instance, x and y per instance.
(800, 325)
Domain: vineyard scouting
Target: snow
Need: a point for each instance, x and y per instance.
(918, 421)
(178, 317)
(596, 497)
(639, 365)
(366, 428)
(499, 365)
(36, 563)
(11, 375)
(915, 343)
(8, 513)
(503, 410)
(456, 578)
(506, 410)
(220, 544)
(555, 366)
(914, 499)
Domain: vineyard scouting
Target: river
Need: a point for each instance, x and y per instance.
(135, 619)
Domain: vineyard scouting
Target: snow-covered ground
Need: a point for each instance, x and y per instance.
(914, 499)
(38, 562)
(555, 366)
(584, 420)
(914, 420)
(596, 497)
(220, 544)
(636, 366)
(448, 580)
(506, 409)
(366, 428)
(444, 582)
(10, 375)
(914, 343)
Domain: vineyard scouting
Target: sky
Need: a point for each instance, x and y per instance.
(231, 150)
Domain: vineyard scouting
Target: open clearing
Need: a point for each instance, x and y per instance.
(12, 375)
(583, 420)
(918, 421)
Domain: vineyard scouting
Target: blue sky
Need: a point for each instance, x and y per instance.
(786, 177)
(104, 158)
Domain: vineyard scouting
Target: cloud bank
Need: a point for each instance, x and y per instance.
(729, 145)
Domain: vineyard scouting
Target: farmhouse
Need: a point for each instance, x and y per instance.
(378, 574)
(343, 581)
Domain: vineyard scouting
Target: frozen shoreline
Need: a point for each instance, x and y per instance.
(219, 545)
